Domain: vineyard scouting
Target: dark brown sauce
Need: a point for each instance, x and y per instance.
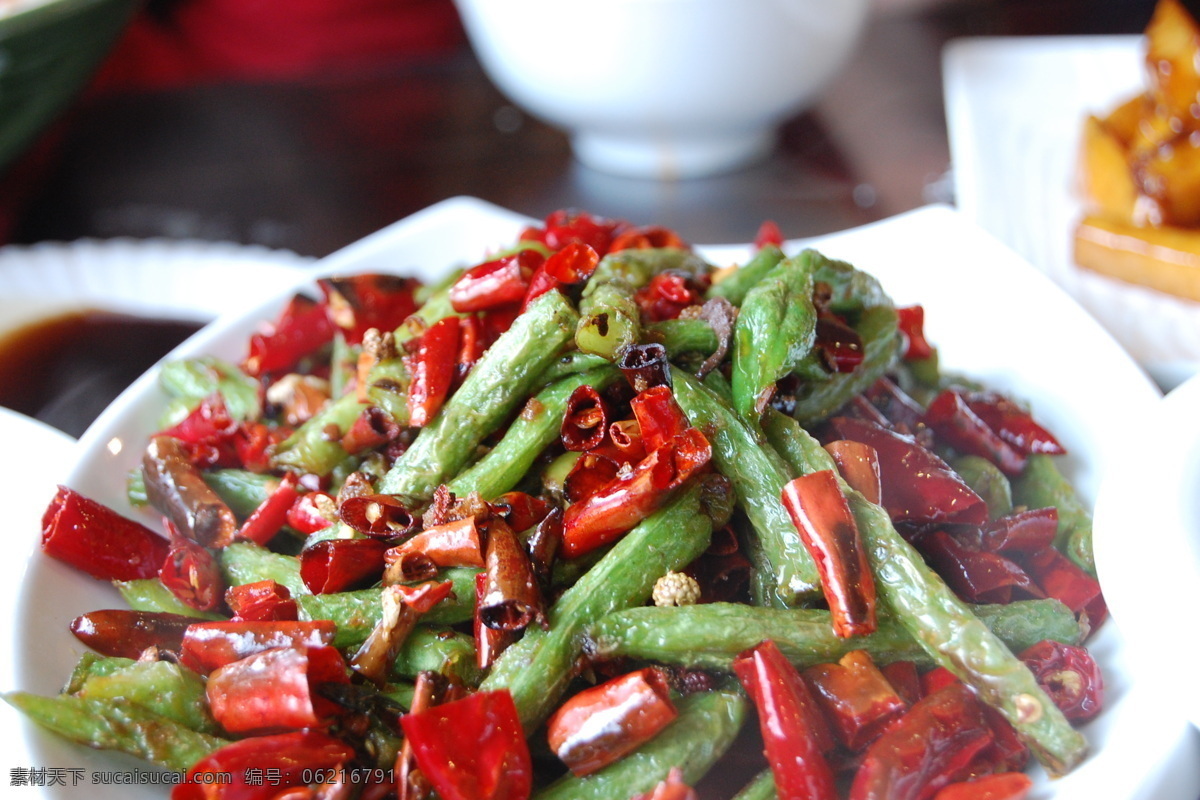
(65, 370)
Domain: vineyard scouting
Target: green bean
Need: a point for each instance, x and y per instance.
(493, 391)
(879, 331)
(189, 381)
(387, 389)
(683, 335)
(987, 481)
(149, 594)
(91, 664)
(850, 289)
(438, 650)
(786, 573)
(246, 562)
(734, 286)
(609, 315)
(1042, 485)
(242, 490)
(569, 364)
(707, 725)
(775, 330)
(168, 690)
(356, 613)
(535, 428)
(952, 636)
(537, 668)
(312, 447)
(113, 725)
(805, 635)
(761, 788)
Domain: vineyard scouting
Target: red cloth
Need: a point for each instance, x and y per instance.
(199, 41)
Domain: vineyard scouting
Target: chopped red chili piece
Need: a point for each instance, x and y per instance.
(670, 788)
(856, 697)
(791, 724)
(520, 510)
(768, 235)
(209, 645)
(492, 763)
(1001, 786)
(627, 499)
(912, 325)
(1069, 675)
(92, 537)
(646, 237)
(451, 544)
(303, 327)
(602, 724)
(378, 515)
(930, 747)
(272, 514)
(1064, 580)
(659, 417)
(357, 303)
(235, 771)
(917, 485)
(373, 428)
(590, 473)
(1022, 531)
(253, 443)
(585, 420)
(858, 464)
(261, 601)
(562, 227)
(571, 265)
(337, 565)
(276, 688)
(840, 344)
(431, 369)
(625, 435)
(512, 599)
(977, 576)
(126, 633)
(666, 295)
(645, 365)
(905, 679)
(1013, 424)
(191, 573)
(489, 642)
(956, 424)
(936, 678)
(822, 517)
(500, 282)
(209, 431)
(897, 406)
(403, 607)
(310, 512)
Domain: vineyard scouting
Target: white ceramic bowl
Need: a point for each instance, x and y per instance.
(663, 88)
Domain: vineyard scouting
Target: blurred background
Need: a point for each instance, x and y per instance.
(308, 124)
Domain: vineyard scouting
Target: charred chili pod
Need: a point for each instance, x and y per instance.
(452, 544)
(402, 608)
(382, 516)
(645, 365)
(177, 489)
(512, 600)
(585, 420)
(125, 633)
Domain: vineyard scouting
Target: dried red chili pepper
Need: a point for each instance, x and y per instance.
(827, 528)
(519, 509)
(209, 645)
(897, 406)
(590, 473)
(276, 688)
(177, 489)
(670, 788)
(768, 235)
(858, 464)
(302, 328)
(337, 565)
(956, 424)
(627, 499)
(1022, 531)
(253, 443)
(856, 697)
(571, 265)
(977, 576)
(585, 420)
(92, 537)
(1070, 675)
(839, 344)
(1000, 786)
(452, 544)
(645, 365)
(1013, 424)
(403, 606)
(625, 436)
(499, 282)
(1064, 580)
(905, 679)
(658, 415)
(473, 748)
(564, 226)
(209, 431)
(645, 238)
(792, 727)
(489, 642)
(235, 771)
(666, 295)
(372, 428)
(917, 485)
(512, 600)
(382, 516)
(357, 303)
(272, 514)
(191, 573)
(261, 601)
(601, 724)
(312, 512)
(543, 545)
(911, 321)
(930, 747)
(126, 633)
(431, 369)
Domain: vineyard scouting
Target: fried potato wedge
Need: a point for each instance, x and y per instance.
(1166, 259)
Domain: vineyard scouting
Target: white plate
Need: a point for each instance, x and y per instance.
(1015, 109)
(165, 278)
(981, 302)
(1152, 496)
